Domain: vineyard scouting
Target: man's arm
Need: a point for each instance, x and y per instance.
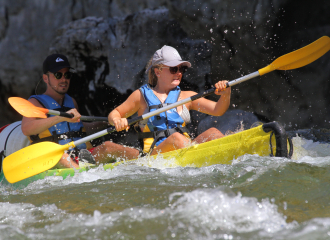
(33, 126)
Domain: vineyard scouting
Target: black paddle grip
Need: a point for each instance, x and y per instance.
(130, 122)
(67, 115)
(203, 94)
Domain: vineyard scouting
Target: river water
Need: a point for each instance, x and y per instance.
(253, 198)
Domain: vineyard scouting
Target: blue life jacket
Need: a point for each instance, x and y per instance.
(63, 132)
(166, 123)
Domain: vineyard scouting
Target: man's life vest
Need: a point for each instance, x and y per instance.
(63, 132)
(161, 126)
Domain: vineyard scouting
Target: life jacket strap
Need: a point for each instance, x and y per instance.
(55, 137)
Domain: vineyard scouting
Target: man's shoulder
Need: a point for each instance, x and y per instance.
(35, 101)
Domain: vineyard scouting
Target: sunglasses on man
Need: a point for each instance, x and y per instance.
(59, 75)
(174, 70)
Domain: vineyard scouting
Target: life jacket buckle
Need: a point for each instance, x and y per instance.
(167, 133)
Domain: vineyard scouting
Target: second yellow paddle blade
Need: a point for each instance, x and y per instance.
(32, 160)
(27, 109)
(300, 57)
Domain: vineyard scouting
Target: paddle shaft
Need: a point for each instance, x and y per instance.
(243, 79)
(83, 118)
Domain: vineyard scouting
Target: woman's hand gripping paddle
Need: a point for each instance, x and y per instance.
(40, 157)
(27, 109)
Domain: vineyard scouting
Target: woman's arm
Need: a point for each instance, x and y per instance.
(213, 108)
(118, 117)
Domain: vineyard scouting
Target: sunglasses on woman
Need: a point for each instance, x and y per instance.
(67, 75)
(174, 70)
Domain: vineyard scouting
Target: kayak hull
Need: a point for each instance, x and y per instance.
(268, 139)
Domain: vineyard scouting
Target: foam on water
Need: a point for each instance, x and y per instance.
(17, 217)
(308, 151)
(156, 162)
(225, 212)
(304, 151)
(199, 203)
(92, 175)
(200, 214)
(210, 213)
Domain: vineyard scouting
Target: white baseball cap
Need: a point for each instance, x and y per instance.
(168, 56)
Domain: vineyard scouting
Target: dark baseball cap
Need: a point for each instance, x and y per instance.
(55, 62)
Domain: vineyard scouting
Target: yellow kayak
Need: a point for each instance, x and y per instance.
(269, 139)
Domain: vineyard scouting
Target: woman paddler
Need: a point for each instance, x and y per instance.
(166, 131)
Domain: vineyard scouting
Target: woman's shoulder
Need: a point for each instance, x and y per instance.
(136, 94)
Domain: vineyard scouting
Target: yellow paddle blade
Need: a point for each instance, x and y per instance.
(32, 160)
(300, 57)
(27, 109)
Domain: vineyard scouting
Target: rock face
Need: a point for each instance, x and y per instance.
(248, 36)
(109, 44)
(107, 52)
